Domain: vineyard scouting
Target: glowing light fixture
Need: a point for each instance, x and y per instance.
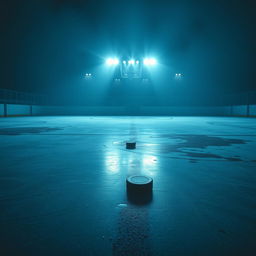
(112, 61)
(88, 75)
(150, 61)
(131, 62)
(178, 76)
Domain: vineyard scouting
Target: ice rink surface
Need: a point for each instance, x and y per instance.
(62, 186)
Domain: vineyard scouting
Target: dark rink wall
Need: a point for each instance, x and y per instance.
(27, 110)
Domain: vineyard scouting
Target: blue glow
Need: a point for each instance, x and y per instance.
(131, 62)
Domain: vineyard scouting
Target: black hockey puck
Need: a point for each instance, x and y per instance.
(139, 189)
(130, 145)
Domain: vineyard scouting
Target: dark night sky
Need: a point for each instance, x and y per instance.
(48, 44)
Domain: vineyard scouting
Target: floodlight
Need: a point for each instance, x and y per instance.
(178, 76)
(112, 61)
(124, 62)
(131, 62)
(137, 62)
(115, 61)
(146, 62)
(109, 61)
(150, 61)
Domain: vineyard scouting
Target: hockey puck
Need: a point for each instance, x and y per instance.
(139, 188)
(140, 183)
(130, 145)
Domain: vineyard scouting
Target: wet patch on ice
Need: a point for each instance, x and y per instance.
(193, 146)
(203, 141)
